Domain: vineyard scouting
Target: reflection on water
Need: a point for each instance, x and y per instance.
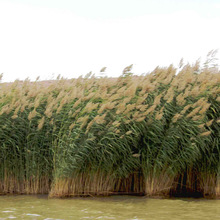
(114, 207)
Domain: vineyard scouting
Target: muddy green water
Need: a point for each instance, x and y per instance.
(114, 207)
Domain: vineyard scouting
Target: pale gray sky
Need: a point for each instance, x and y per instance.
(72, 37)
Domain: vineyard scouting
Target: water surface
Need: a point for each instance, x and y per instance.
(114, 207)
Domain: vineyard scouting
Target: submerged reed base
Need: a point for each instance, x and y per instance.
(35, 185)
(82, 185)
(158, 185)
(184, 185)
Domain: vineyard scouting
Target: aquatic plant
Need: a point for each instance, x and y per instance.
(155, 134)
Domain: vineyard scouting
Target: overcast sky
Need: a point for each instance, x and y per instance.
(73, 37)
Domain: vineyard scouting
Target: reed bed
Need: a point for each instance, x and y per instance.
(155, 134)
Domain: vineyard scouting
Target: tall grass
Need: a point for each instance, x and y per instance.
(157, 134)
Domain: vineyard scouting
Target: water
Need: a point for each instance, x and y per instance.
(114, 207)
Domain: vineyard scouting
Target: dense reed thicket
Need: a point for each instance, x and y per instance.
(157, 134)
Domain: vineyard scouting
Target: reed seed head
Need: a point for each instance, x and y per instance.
(41, 123)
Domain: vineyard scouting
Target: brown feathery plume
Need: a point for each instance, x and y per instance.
(157, 99)
(89, 96)
(117, 131)
(24, 105)
(62, 103)
(140, 100)
(32, 114)
(149, 88)
(41, 123)
(209, 123)
(140, 119)
(127, 121)
(32, 93)
(204, 108)
(126, 100)
(187, 91)
(77, 103)
(102, 108)
(207, 133)
(142, 108)
(50, 99)
(91, 106)
(131, 91)
(170, 99)
(30, 105)
(169, 93)
(120, 108)
(76, 112)
(171, 73)
(127, 69)
(137, 115)
(70, 113)
(100, 119)
(129, 108)
(37, 103)
(201, 126)
(17, 110)
(161, 110)
(194, 112)
(128, 132)
(7, 109)
(89, 126)
(185, 109)
(84, 121)
(114, 97)
(200, 102)
(176, 117)
(121, 90)
(197, 117)
(150, 110)
(159, 115)
(14, 116)
(51, 121)
(110, 105)
(180, 99)
(17, 103)
(48, 112)
(116, 124)
(195, 91)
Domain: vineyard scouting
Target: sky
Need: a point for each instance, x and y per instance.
(73, 37)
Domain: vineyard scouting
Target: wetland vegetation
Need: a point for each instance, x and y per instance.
(157, 134)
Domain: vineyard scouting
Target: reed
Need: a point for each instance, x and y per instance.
(157, 134)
